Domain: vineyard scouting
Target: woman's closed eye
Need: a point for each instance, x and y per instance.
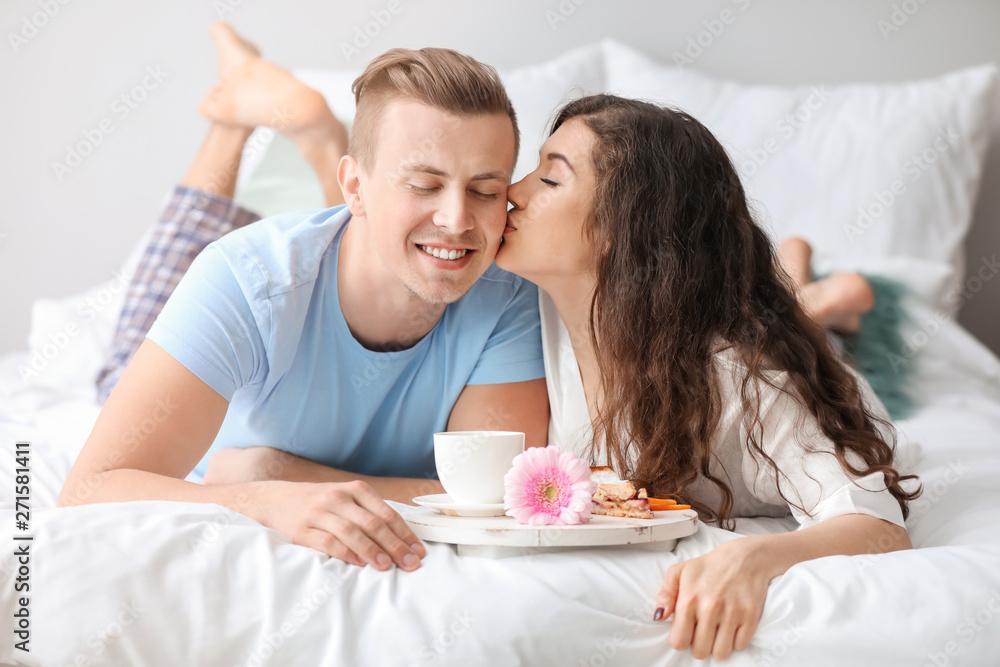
(549, 183)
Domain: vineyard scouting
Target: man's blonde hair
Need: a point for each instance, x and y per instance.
(440, 78)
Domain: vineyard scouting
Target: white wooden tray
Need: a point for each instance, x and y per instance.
(502, 536)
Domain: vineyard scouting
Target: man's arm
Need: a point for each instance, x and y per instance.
(514, 406)
(158, 423)
(252, 464)
(152, 431)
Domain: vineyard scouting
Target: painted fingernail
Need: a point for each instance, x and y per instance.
(658, 614)
(410, 561)
(382, 560)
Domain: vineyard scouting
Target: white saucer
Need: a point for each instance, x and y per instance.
(443, 504)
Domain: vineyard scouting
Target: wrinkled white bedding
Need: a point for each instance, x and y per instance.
(158, 583)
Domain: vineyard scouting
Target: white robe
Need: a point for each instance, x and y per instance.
(816, 481)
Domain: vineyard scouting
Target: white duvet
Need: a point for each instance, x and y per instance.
(161, 583)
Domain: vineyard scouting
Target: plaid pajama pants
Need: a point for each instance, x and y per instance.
(190, 221)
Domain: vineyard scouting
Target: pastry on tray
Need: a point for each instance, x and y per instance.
(615, 497)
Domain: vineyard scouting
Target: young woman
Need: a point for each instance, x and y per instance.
(677, 352)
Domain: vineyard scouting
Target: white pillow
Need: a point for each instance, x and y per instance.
(863, 171)
(70, 338)
(538, 91)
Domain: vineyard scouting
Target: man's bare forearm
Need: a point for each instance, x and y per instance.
(127, 485)
(275, 464)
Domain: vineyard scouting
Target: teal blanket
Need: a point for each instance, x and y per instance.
(880, 352)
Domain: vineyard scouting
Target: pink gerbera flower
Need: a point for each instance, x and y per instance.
(546, 486)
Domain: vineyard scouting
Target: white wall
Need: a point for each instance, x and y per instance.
(59, 237)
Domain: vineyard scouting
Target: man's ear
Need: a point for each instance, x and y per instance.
(349, 176)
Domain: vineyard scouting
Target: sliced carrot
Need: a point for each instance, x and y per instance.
(657, 504)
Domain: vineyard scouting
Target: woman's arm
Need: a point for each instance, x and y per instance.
(717, 599)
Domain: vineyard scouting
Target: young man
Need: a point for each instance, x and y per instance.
(347, 336)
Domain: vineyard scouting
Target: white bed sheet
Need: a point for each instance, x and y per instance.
(158, 583)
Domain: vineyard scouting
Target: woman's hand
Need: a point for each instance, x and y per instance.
(345, 520)
(716, 599)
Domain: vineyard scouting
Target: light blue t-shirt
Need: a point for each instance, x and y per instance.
(257, 317)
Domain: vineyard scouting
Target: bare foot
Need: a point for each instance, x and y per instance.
(259, 93)
(253, 92)
(231, 49)
(795, 254)
(838, 301)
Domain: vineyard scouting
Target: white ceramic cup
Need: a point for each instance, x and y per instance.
(471, 464)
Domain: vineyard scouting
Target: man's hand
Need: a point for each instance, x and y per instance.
(343, 520)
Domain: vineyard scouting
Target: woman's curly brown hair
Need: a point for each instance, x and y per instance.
(681, 264)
